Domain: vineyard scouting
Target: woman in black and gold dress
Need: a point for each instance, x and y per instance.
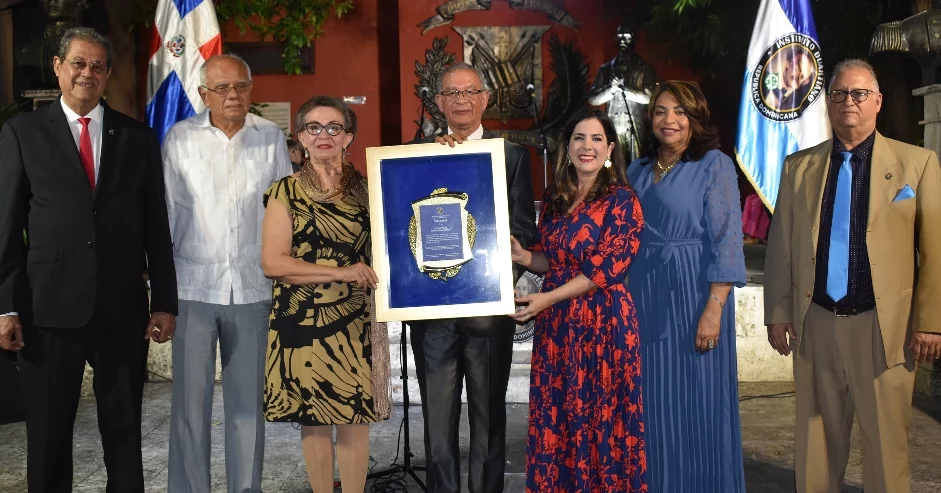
(315, 245)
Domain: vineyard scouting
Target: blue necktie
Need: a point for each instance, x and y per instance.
(838, 265)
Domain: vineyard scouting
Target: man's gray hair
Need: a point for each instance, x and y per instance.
(85, 34)
(456, 66)
(231, 56)
(855, 63)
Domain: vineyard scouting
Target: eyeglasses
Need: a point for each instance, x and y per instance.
(241, 88)
(466, 93)
(314, 128)
(97, 68)
(858, 95)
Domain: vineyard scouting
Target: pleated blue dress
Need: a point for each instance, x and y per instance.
(693, 237)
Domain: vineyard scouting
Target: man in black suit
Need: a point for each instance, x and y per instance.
(480, 348)
(85, 183)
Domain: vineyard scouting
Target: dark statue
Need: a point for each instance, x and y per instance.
(38, 27)
(919, 37)
(625, 84)
(61, 15)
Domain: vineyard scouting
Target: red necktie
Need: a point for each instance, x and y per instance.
(85, 152)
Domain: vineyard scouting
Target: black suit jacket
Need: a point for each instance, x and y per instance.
(86, 250)
(522, 213)
(519, 188)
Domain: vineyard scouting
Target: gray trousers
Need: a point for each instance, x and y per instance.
(242, 332)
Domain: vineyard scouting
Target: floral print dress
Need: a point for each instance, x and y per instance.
(586, 423)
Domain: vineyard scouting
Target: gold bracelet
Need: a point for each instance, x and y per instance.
(720, 302)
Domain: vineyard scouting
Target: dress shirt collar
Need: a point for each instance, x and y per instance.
(475, 135)
(203, 120)
(862, 152)
(95, 114)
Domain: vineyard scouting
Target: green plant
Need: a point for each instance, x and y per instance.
(292, 23)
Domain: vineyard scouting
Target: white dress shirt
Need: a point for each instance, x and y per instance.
(475, 135)
(214, 199)
(94, 130)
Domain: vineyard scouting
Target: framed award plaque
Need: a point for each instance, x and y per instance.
(440, 230)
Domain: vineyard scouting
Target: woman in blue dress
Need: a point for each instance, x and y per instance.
(690, 258)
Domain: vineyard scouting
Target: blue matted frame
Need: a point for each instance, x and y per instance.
(400, 175)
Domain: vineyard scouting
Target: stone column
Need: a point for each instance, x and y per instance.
(928, 377)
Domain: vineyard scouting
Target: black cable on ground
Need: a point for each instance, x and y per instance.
(393, 483)
(781, 395)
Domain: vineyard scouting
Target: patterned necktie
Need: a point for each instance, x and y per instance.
(838, 265)
(85, 152)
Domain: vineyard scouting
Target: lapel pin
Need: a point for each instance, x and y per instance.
(888, 176)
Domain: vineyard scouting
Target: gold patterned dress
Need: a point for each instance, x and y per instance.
(319, 356)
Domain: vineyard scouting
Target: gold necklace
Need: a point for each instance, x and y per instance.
(663, 170)
(313, 185)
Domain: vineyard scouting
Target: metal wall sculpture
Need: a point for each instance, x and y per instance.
(510, 57)
(429, 74)
(567, 93)
(445, 13)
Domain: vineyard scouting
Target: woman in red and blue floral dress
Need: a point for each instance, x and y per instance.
(586, 419)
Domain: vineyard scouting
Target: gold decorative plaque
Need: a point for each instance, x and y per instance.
(441, 233)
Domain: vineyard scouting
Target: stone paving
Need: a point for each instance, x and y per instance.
(767, 417)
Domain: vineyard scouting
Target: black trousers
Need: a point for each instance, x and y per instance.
(445, 356)
(52, 364)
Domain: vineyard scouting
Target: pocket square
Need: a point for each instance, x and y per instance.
(905, 193)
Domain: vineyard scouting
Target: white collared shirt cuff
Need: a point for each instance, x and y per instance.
(11, 314)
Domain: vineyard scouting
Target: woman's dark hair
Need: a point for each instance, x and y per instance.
(564, 186)
(703, 136)
(349, 117)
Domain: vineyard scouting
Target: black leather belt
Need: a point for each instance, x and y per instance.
(841, 312)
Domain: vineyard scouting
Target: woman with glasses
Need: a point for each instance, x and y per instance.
(315, 245)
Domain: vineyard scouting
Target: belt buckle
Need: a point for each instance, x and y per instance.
(839, 313)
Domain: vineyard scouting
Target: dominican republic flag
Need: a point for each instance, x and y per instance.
(783, 107)
(185, 35)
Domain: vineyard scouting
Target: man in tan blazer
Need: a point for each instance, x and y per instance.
(857, 221)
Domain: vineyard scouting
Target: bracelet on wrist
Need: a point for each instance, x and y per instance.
(717, 300)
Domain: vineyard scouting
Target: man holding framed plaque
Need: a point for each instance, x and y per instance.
(480, 348)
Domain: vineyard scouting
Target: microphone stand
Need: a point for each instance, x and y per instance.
(633, 129)
(420, 132)
(406, 469)
(543, 144)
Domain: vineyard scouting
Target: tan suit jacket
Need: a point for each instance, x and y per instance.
(903, 238)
